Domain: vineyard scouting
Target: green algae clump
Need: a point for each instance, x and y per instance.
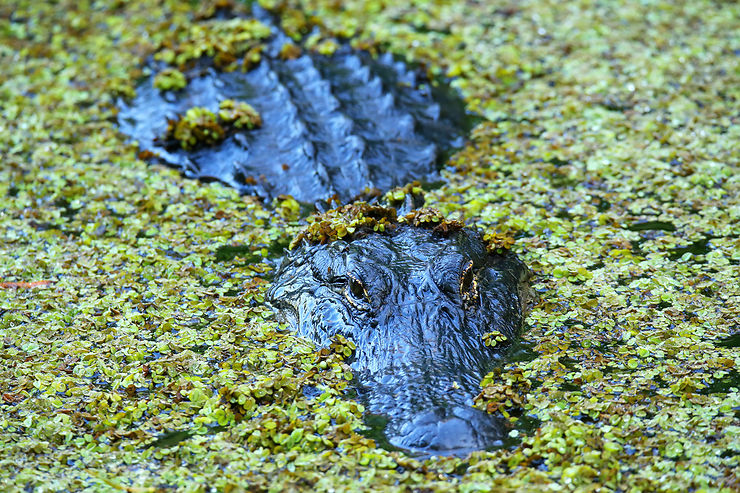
(198, 127)
(239, 114)
(347, 222)
(498, 241)
(290, 51)
(170, 79)
(357, 220)
(492, 339)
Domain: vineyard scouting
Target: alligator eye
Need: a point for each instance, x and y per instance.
(468, 285)
(356, 293)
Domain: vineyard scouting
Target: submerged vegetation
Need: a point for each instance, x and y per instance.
(137, 355)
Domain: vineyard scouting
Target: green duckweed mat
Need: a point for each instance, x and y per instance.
(137, 353)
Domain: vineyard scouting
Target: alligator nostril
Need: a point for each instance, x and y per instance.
(444, 312)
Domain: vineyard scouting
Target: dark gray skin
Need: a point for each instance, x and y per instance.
(416, 304)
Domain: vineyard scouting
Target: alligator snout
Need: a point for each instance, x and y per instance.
(418, 305)
(450, 431)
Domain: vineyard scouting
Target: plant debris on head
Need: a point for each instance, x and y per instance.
(347, 222)
(359, 219)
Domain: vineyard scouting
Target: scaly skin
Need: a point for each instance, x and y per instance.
(328, 124)
(417, 304)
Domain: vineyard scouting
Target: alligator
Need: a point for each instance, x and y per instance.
(336, 123)
(421, 304)
(418, 298)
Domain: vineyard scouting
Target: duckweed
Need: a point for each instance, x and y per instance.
(119, 326)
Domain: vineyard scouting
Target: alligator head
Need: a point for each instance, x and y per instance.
(417, 303)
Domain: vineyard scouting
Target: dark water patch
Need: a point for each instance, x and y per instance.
(557, 162)
(43, 226)
(334, 124)
(278, 247)
(700, 247)
(227, 253)
(68, 212)
(729, 453)
(199, 348)
(616, 104)
(146, 233)
(660, 383)
(521, 352)
(570, 387)
(246, 253)
(376, 426)
(170, 253)
(568, 362)
(97, 380)
(636, 245)
(525, 425)
(723, 384)
(652, 226)
(601, 205)
(172, 438)
(729, 341)
(585, 418)
(429, 186)
(311, 392)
